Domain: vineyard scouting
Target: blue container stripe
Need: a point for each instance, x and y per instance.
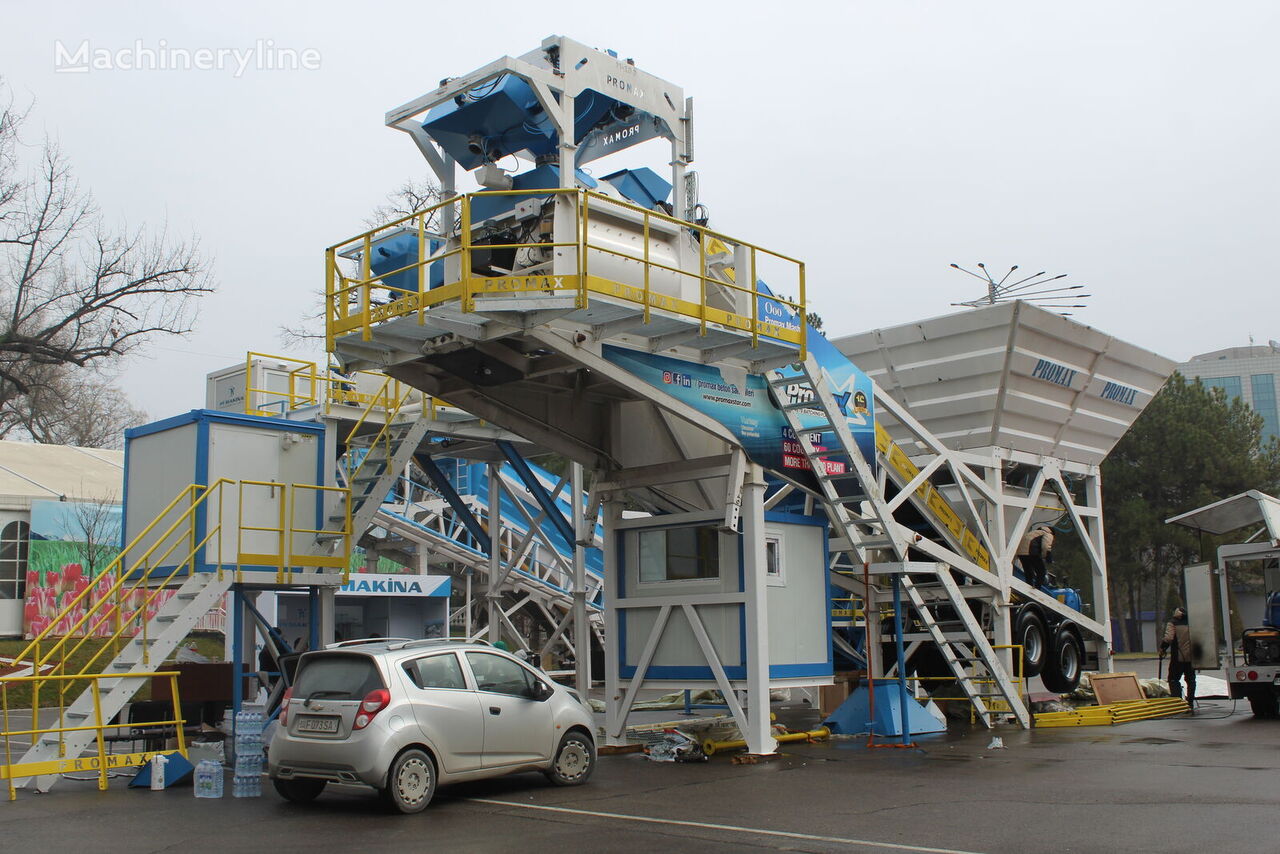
(201, 477)
(816, 669)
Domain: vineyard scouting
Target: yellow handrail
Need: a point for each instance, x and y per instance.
(103, 761)
(391, 405)
(345, 293)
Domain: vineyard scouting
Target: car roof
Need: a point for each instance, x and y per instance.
(385, 646)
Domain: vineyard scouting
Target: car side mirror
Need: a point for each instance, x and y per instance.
(541, 691)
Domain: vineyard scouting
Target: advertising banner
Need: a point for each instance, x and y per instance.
(741, 402)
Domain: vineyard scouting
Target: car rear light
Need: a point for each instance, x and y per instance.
(284, 706)
(373, 702)
(1240, 675)
(1253, 675)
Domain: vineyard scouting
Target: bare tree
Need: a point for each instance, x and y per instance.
(99, 522)
(75, 293)
(412, 196)
(69, 406)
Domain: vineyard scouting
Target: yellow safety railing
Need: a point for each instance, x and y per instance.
(102, 760)
(307, 384)
(390, 405)
(993, 703)
(351, 306)
(938, 506)
(148, 565)
(304, 386)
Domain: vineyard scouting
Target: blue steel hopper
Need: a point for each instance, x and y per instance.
(504, 117)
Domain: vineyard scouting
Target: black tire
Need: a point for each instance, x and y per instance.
(1264, 702)
(574, 761)
(299, 791)
(1061, 673)
(1030, 631)
(411, 782)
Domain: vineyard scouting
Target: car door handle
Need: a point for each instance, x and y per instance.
(495, 710)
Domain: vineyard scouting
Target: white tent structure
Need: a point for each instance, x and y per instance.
(30, 472)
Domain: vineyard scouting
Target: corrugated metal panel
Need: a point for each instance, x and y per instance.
(52, 471)
(1013, 376)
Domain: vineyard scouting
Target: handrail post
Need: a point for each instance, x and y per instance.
(333, 300)
(8, 749)
(702, 284)
(804, 335)
(464, 236)
(755, 303)
(97, 722)
(248, 383)
(647, 292)
(177, 715)
(284, 510)
(584, 241)
(423, 281)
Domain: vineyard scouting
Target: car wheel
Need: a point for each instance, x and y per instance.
(299, 791)
(1030, 632)
(573, 762)
(1264, 703)
(1061, 672)
(411, 782)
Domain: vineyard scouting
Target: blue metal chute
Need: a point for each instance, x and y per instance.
(642, 186)
(538, 491)
(504, 117)
(400, 250)
(442, 485)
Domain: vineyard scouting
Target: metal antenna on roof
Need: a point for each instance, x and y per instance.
(1035, 288)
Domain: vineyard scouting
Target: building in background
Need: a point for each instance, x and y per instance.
(49, 495)
(1249, 373)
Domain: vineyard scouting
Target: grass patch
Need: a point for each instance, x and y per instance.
(19, 694)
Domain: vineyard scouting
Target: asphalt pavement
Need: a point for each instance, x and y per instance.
(1192, 784)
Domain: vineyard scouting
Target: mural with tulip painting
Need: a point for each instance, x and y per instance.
(72, 544)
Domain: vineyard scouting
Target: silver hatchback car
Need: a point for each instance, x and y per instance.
(403, 716)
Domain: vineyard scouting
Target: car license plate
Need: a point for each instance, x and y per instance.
(313, 724)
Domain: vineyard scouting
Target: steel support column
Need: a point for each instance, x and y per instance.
(611, 512)
(581, 628)
(491, 592)
(759, 735)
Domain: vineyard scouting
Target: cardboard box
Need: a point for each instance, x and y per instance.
(831, 696)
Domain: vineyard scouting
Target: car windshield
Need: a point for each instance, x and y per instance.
(336, 677)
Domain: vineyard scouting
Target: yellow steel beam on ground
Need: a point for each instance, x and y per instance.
(1114, 713)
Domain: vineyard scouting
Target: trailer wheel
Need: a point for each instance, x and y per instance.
(1264, 702)
(1029, 631)
(1061, 673)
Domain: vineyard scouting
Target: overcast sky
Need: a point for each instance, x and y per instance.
(1130, 145)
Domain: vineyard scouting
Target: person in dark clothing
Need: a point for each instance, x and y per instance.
(267, 657)
(1177, 640)
(1035, 550)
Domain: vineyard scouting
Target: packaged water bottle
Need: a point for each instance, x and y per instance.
(208, 779)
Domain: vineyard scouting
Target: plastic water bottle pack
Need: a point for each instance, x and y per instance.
(247, 781)
(208, 779)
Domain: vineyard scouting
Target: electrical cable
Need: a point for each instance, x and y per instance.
(1234, 711)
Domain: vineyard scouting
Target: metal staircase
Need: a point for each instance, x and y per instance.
(375, 458)
(139, 655)
(971, 658)
(871, 528)
(183, 555)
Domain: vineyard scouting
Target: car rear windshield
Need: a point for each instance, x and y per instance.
(337, 676)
